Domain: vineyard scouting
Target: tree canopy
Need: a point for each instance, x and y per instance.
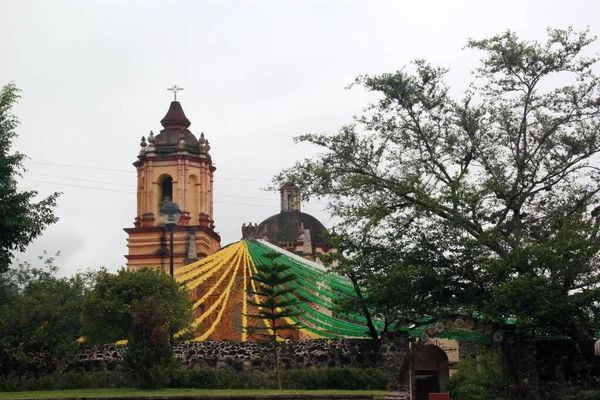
(482, 205)
(149, 356)
(40, 313)
(109, 308)
(22, 219)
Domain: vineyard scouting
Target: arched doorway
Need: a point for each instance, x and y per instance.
(430, 371)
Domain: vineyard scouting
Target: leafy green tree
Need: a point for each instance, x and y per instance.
(22, 219)
(109, 308)
(481, 205)
(274, 305)
(149, 356)
(40, 314)
(477, 378)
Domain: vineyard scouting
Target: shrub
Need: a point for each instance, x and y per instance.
(312, 379)
(477, 378)
(588, 395)
(149, 356)
(65, 381)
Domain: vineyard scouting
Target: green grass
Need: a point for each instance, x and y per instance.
(66, 394)
(588, 395)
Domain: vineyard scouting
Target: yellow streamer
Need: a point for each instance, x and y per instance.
(219, 300)
(214, 287)
(227, 293)
(239, 256)
(209, 259)
(244, 296)
(227, 253)
(197, 282)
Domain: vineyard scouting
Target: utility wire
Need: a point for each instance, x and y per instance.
(128, 170)
(132, 186)
(77, 186)
(133, 193)
(82, 180)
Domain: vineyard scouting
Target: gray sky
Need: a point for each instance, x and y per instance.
(93, 76)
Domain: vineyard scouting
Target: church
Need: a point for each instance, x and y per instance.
(175, 166)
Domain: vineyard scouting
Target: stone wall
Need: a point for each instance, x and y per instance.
(388, 353)
(550, 369)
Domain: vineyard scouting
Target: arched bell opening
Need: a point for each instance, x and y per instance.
(166, 189)
(193, 204)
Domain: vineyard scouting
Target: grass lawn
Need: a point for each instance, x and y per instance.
(66, 394)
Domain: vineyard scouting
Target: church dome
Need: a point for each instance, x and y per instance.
(287, 227)
(176, 135)
(293, 229)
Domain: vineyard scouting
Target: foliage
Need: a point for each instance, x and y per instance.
(588, 395)
(176, 393)
(65, 381)
(40, 314)
(149, 356)
(313, 379)
(274, 306)
(477, 378)
(341, 378)
(109, 308)
(22, 219)
(467, 204)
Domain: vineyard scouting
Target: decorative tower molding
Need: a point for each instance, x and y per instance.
(173, 165)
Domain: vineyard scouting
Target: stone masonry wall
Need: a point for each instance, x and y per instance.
(389, 353)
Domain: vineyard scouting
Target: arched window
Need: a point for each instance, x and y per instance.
(193, 205)
(166, 189)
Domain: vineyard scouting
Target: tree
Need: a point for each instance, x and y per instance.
(274, 304)
(21, 218)
(40, 314)
(149, 357)
(147, 307)
(109, 308)
(477, 377)
(472, 204)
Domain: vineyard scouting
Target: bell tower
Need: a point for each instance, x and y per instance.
(173, 166)
(290, 198)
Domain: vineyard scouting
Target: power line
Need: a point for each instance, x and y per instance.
(131, 186)
(79, 166)
(132, 193)
(128, 170)
(77, 186)
(82, 180)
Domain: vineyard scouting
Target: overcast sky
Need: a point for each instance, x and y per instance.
(94, 75)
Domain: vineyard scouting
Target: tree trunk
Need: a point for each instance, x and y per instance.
(519, 369)
(372, 331)
(275, 349)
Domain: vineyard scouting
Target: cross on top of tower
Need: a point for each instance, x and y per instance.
(174, 89)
